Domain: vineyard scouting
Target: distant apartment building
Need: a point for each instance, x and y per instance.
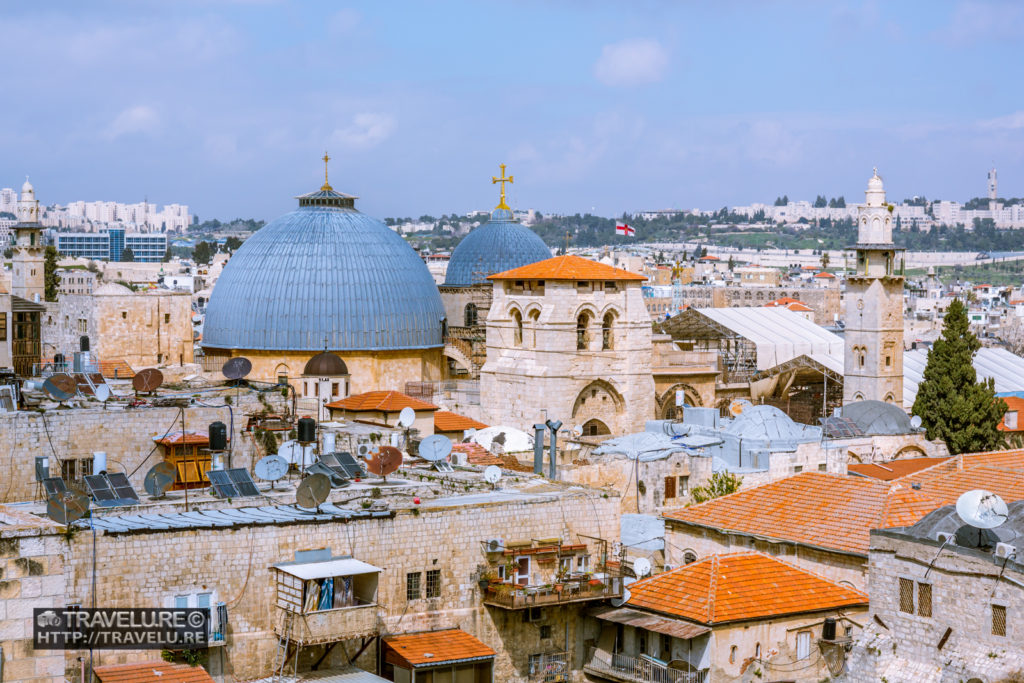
(823, 301)
(97, 216)
(109, 245)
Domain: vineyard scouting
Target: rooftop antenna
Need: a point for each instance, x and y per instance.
(384, 461)
(65, 507)
(915, 422)
(981, 509)
(435, 449)
(313, 491)
(271, 468)
(406, 417)
(160, 477)
(492, 475)
(235, 370)
(641, 567)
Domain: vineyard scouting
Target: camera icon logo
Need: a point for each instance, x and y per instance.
(48, 618)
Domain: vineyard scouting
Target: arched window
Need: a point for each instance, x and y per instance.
(607, 334)
(534, 318)
(517, 320)
(689, 557)
(470, 315)
(582, 333)
(757, 650)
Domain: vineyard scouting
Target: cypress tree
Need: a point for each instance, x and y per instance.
(954, 407)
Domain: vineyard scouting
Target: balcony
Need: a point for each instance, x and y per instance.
(328, 626)
(627, 669)
(512, 596)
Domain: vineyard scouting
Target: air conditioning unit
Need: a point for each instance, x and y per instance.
(460, 459)
(943, 537)
(363, 450)
(1005, 550)
(495, 545)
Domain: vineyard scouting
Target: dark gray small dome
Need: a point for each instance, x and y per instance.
(878, 417)
(325, 364)
(500, 244)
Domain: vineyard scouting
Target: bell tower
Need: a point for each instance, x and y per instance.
(27, 279)
(874, 306)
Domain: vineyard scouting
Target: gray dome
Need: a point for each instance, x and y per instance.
(878, 417)
(500, 244)
(324, 275)
(325, 364)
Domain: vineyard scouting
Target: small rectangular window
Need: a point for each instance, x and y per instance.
(434, 583)
(998, 620)
(167, 317)
(803, 644)
(545, 631)
(684, 486)
(822, 467)
(181, 601)
(412, 586)
(797, 469)
(907, 596)
(924, 599)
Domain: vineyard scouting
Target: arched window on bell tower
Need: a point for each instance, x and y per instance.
(517, 321)
(582, 332)
(607, 332)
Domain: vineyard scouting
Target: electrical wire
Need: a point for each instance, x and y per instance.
(157, 445)
(10, 461)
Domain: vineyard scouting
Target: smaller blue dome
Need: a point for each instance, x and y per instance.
(500, 244)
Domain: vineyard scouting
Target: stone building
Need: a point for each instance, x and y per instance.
(946, 603)
(824, 302)
(145, 329)
(570, 337)
(873, 367)
(27, 270)
(327, 277)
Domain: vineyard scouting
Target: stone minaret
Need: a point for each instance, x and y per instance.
(27, 263)
(874, 306)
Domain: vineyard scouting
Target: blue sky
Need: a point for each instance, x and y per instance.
(615, 106)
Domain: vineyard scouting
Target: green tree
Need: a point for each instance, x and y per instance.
(952, 404)
(721, 484)
(202, 253)
(127, 255)
(820, 202)
(232, 243)
(51, 280)
(168, 255)
(824, 259)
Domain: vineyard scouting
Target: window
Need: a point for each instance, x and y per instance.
(545, 631)
(124, 315)
(822, 467)
(470, 315)
(582, 335)
(670, 487)
(798, 469)
(907, 596)
(517, 332)
(167, 317)
(998, 620)
(689, 557)
(565, 565)
(181, 601)
(641, 641)
(732, 654)
(282, 379)
(757, 651)
(412, 586)
(434, 583)
(924, 599)
(666, 647)
(3, 327)
(803, 644)
(582, 563)
(607, 339)
(684, 486)
(82, 326)
(534, 614)
(334, 388)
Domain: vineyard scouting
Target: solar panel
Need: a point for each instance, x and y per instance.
(243, 482)
(54, 485)
(443, 466)
(334, 474)
(221, 483)
(344, 463)
(100, 490)
(123, 488)
(840, 427)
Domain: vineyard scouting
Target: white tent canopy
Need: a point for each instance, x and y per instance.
(1004, 367)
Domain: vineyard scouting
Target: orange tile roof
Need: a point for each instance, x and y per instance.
(435, 647)
(477, 454)
(894, 469)
(825, 274)
(152, 672)
(108, 368)
(445, 421)
(383, 401)
(569, 267)
(739, 587)
(1013, 403)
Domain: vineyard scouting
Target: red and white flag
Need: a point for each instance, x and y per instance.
(623, 229)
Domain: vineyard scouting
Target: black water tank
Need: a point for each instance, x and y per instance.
(307, 430)
(83, 343)
(218, 436)
(828, 629)
(58, 358)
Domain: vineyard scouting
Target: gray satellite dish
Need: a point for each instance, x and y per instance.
(313, 490)
(159, 478)
(271, 468)
(60, 386)
(67, 506)
(435, 447)
(236, 368)
(619, 602)
(492, 474)
(641, 566)
(981, 509)
(577, 431)
(406, 417)
(915, 422)
(102, 392)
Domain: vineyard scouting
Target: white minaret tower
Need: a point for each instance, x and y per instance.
(993, 190)
(27, 279)
(874, 306)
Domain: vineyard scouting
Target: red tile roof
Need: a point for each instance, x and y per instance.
(567, 267)
(477, 454)
(152, 672)
(739, 587)
(382, 401)
(445, 421)
(1017, 404)
(894, 469)
(116, 366)
(435, 647)
(179, 438)
(825, 275)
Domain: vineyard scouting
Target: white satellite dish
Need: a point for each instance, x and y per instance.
(619, 602)
(492, 474)
(102, 392)
(981, 509)
(641, 566)
(435, 447)
(406, 417)
(271, 468)
(577, 431)
(915, 422)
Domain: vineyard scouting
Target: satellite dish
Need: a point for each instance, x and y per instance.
(737, 406)
(386, 460)
(642, 566)
(406, 417)
(60, 386)
(147, 380)
(271, 468)
(577, 431)
(435, 447)
(313, 490)
(160, 477)
(66, 506)
(492, 474)
(981, 509)
(619, 602)
(102, 392)
(915, 422)
(237, 368)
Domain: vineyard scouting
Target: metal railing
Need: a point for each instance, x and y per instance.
(512, 596)
(639, 669)
(551, 667)
(50, 368)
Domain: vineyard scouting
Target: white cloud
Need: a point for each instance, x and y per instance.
(138, 119)
(631, 62)
(366, 130)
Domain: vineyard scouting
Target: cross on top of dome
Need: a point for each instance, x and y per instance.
(326, 195)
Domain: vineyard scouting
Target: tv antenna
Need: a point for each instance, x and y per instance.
(271, 468)
(65, 507)
(313, 491)
(384, 461)
(642, 566)
(492, 475)
(147, 381)
(160, 477)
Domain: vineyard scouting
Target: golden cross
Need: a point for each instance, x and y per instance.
(502, 180)
(326, 186)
